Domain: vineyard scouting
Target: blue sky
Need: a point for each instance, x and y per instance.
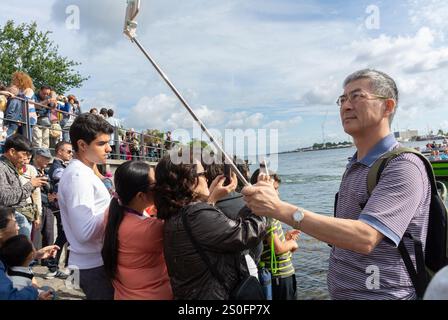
(252, 64)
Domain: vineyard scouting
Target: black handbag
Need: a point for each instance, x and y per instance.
(248, 288)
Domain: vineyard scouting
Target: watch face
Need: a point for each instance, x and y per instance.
(298, 215)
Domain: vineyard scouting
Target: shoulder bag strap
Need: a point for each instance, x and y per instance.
(199, 249)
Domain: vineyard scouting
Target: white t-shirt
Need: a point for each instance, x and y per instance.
(83, 200)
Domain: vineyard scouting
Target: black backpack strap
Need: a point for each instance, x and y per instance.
(378, 167)
(418, 277)
(198, 248)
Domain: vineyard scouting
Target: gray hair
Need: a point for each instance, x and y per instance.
(381, 83)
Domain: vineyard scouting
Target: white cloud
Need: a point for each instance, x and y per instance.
(285, 124)
(409, 54)
(246, 56)
(244, 120)
(431, 13)
(166, 112)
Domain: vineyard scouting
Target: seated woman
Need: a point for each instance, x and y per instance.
(9, 229)
(133, 241)
(181, 190)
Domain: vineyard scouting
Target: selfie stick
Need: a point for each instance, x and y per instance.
(266, 168)
(130, 28)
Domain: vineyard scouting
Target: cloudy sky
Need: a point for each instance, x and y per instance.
(272, 64)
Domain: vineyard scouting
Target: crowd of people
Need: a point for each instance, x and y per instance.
(130, 245)
(50, 118)
(179, 231)
(439, 151)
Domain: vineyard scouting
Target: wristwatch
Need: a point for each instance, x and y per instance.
(298, 217)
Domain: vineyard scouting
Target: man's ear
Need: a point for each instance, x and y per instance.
(390, 107)
(11, 152)
(82, 145)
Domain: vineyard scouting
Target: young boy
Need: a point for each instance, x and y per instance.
(277, 252)
(17, 253)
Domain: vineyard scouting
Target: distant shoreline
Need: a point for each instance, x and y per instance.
(311, 149)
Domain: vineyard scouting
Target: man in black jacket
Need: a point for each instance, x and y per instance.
(233, 205)
(63, 154)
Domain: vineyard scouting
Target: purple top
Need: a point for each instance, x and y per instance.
(398, 204)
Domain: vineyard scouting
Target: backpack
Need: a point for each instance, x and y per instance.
(55, 131)
(436, 251)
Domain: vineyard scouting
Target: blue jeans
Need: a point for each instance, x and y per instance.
(65, 130)
(24, 225)
(12, 128)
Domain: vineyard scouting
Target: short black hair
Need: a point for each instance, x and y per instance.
(6, 214)
(60, 145)
(87, 127)
(110, 113)
(15, 250)
(103, 111)
(272, 174)
(19, 143)
(44, 87)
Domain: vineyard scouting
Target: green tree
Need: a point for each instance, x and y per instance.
(198, 143)
(24, 48)
(153, 136)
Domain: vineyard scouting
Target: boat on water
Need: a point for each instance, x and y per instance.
(440, 168)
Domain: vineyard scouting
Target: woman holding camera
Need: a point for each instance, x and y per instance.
(185, 202)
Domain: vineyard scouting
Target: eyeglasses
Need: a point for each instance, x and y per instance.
(356, 96)
(69, 151)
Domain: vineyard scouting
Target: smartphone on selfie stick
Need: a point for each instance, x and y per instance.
(227, 174)
(264, 168)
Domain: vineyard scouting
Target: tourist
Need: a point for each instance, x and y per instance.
(277, 251)
(365, 231)
(83, 200)
(221, 239)
(133, 241)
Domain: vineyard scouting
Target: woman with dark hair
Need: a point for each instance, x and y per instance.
(182, 193)
(133, 242)
(8, 229)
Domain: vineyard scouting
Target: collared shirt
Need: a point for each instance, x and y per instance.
(21, 281)
(398, 204)
(8, 292)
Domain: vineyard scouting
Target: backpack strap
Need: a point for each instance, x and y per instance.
(198, 248)
(377, 168)
(418, 277)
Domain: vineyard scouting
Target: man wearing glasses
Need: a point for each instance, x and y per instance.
(365, 232)
(63, 154)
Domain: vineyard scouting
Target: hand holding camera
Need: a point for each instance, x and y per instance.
(39, 181)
